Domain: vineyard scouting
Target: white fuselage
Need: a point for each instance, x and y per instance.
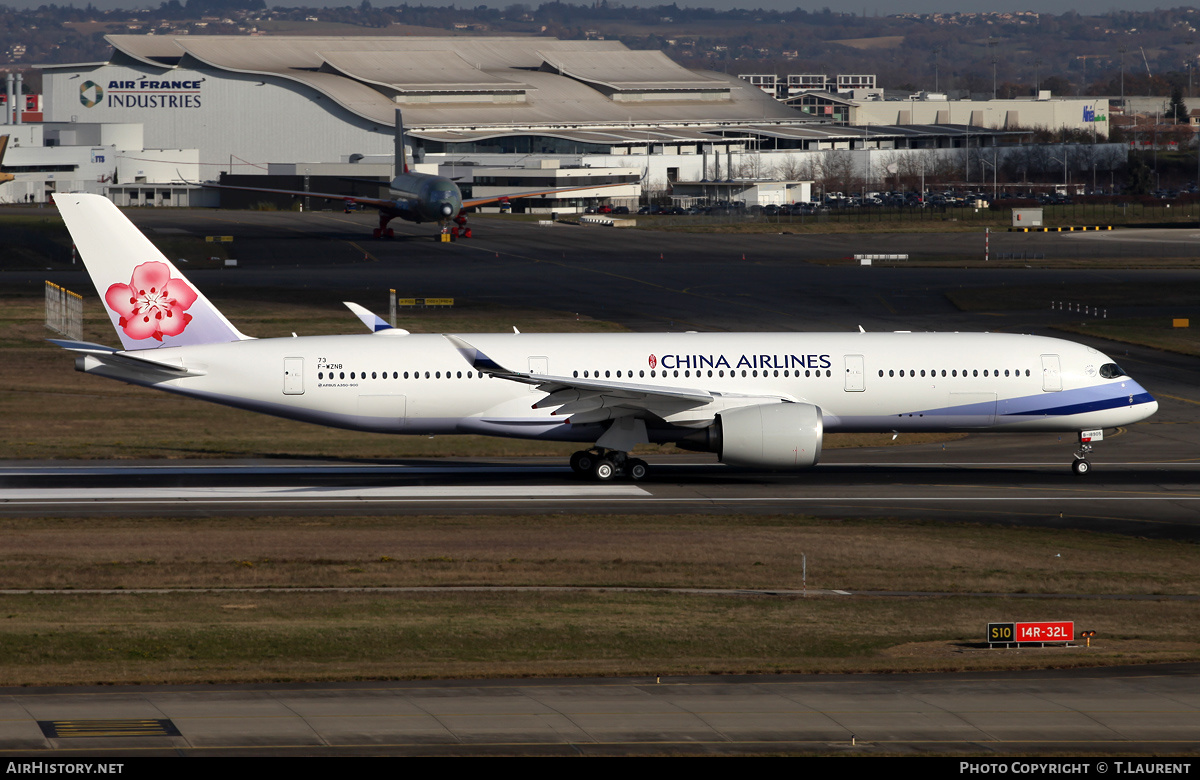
(420, 384)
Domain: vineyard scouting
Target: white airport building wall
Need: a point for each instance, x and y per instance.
(1054, 113)
(227, 115)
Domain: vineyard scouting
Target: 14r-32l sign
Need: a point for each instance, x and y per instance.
(1045, 631)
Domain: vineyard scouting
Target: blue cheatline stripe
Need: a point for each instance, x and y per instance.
(1111, 402)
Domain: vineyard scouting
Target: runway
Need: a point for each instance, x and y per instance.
(1153, 491)
(1127, 711)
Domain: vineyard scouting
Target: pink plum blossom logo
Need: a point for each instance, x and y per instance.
(653, 361)
(153, 304)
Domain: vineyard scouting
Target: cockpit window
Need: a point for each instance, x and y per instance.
(1111, 371)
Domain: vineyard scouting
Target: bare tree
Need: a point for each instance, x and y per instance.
(789, 168)
(838, 172)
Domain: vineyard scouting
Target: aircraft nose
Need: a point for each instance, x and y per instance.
(1146, 403)
(447, 209)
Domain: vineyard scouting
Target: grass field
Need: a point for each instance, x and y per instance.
(279, 633)
(934, 220)
(1172, 300)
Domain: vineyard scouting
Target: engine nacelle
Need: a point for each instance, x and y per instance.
(774, 436)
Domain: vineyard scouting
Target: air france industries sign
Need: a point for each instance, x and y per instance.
(142, 93)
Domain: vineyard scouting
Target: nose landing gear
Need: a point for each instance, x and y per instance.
(1081, 465)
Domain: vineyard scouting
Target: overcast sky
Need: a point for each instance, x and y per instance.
(871, 7)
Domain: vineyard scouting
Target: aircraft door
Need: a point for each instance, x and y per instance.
(854, 374)
(1051, 374)
(293, 376)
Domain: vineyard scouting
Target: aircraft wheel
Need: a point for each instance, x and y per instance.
(1081, 467)
(378, 233)
(637, 469)
(582, 462)
(391, 233)
(604, 470)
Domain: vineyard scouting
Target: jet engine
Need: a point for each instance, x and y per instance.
(775, 436)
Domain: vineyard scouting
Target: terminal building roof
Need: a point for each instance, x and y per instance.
(475, 85)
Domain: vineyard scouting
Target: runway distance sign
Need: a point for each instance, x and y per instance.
(1017, 633)
(1001, 633)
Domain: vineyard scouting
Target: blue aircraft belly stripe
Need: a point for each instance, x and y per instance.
(1077, 401)
(1111, 402)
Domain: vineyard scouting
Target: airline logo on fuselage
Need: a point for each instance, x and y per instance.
(743, 361)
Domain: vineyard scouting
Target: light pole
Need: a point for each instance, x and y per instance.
(992, 45)
(1122, 50)
(982, 171)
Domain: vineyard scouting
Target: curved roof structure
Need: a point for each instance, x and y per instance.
(476, 84)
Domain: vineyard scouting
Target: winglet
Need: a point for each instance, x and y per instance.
(374, 322)
(477, 359)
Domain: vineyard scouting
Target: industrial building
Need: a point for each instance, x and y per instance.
(208, 107)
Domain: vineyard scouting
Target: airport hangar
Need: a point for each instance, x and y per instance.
(313, 109)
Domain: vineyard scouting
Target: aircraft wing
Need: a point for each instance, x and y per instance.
(594, 400)
(379, 203)
(534, 193)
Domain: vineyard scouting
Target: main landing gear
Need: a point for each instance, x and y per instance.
(606, 465)
(383, 231)
(460, 230)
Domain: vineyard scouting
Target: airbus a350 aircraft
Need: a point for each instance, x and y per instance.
(418, 197)
(755, 399)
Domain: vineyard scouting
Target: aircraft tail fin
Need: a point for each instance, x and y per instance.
(151, 304)
(401, 150)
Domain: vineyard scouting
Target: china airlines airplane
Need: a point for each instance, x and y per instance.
(762, 400)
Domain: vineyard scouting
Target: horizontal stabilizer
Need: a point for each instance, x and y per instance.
(113, 357)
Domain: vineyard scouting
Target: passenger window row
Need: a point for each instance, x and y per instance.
(687, 373)
(401, 375)
(912, 372)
